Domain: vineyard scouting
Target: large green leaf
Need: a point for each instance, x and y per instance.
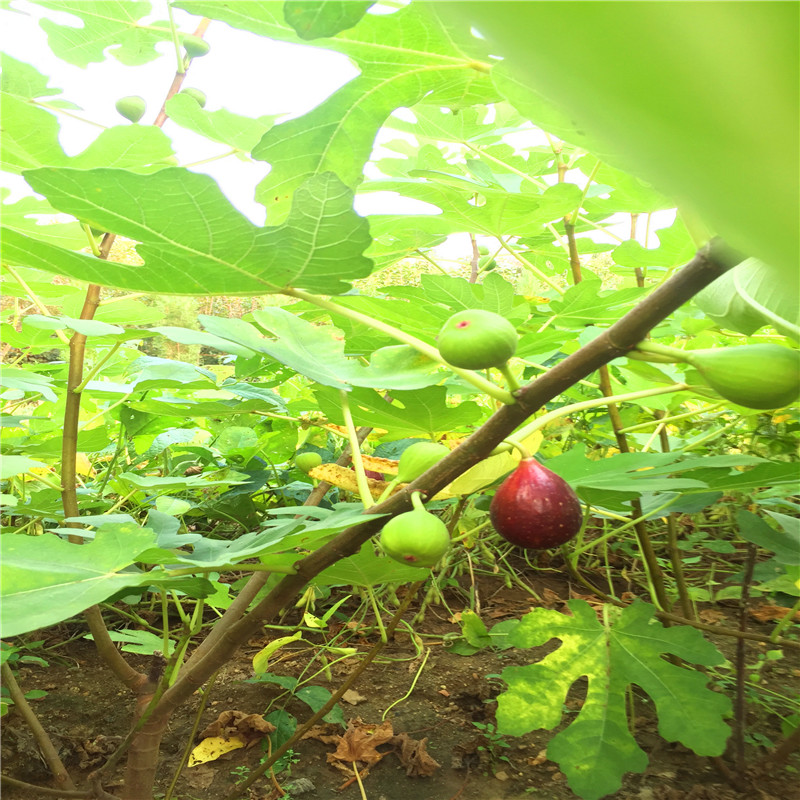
(623, 648)
(224, 126)
(47, 579)
(421, 413)
(24, 216)
(111, 25)
(680, 94)
(312, 19)
(750, 296)
(403, 58)
(193, 240)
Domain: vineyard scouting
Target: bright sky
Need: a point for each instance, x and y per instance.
(279, 78)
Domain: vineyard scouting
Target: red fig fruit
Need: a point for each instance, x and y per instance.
(534, 508)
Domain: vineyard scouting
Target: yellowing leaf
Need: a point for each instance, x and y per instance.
(212, 748)
(490, 469)
(82, 465)
(261, 658)
(345, 478)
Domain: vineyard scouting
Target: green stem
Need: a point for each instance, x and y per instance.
(711, 436)
(523, 451)
(178, 55)
(667, 420)
(358, 463)
(535, 270)
(427, 258)
(511, 380)
(672, 353)
(616, 531)
(478, 381)
(411, 688)
(784, 622)
(546, 419)
(376, 611)
(97, 367)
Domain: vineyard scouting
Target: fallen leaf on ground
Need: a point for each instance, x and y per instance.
(766, 613)
(360, 742)
(414, 756)
(211, 748)
(249, 728)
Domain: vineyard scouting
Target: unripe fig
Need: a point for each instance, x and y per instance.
(475, 339)
(197, 95)
(132, 108)
(195, 46)
(307, 461)
(483, 250)
(416, 538)
(754, 375)
(418, 458)
(534, 508)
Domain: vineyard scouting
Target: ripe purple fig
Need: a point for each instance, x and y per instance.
(534, 508)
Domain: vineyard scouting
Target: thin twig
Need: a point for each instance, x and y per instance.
(740, 704)
(44, 741)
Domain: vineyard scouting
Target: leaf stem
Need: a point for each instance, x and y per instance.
(546, 419)
(358, 463)
(478, 381)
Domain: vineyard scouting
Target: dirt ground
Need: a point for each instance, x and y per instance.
(451, 699)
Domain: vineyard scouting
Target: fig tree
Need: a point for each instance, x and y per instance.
(197, 95)
(132, 108)
(475, 339)
(307, 461)
(759, 376)
(534, 508)
(416, 538)
(195, 46)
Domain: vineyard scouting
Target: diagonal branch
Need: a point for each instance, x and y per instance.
(705, 267)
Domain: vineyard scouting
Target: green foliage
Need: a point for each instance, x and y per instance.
(194, 403)
(621, 649)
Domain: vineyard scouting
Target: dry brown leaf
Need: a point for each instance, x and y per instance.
(710, 616)
(767, 613)
(359, 742)
(250, 728)
(414, 756)
(353, 697)
(327, 733)
(551, 599)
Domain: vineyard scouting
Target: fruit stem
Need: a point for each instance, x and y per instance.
(478, 381)
(355, 449)
(511, 379)
(672, 354)
(523, 451)
(416, 501)
(545, 419)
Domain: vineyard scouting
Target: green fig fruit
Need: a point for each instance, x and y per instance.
(762, 376)
(483, 250)
(307, 461)
(195, 46)
(132, 108)
(418, 458)
(475, 339)
(534, 508)
(197, 95)
(416, 538)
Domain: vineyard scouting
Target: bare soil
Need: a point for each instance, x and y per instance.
(86, 713)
